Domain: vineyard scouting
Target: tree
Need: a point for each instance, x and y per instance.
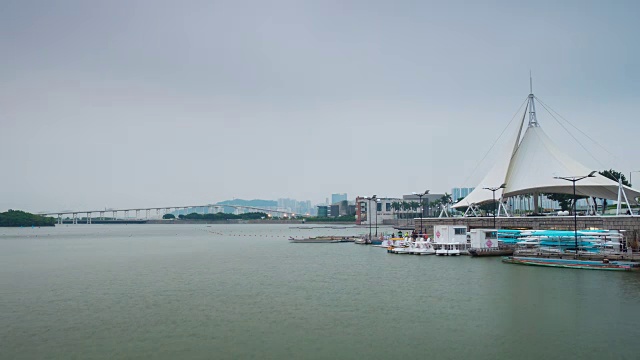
(446, 200)
(396, 207)
(405, 206)
(488, 207)
(168, 216)
(613, 175)
(564, 200)
(414, 207)
(20, 218)
(436, 205)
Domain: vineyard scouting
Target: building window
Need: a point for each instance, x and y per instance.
(387, 206)
(460, 231)
(379, 207)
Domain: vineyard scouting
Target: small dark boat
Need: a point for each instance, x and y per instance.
(605, 264)
(323, 239)
(490, 252)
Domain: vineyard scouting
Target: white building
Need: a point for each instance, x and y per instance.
(379, 209)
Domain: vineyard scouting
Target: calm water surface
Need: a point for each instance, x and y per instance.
(243, 291)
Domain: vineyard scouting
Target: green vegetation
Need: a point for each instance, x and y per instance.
(168, 216)
(343, 218)
(256, 203)
(19, 218)
(613, 175)
(224, 216)
(566, 200)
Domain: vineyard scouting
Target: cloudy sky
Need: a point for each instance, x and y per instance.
(164, 103)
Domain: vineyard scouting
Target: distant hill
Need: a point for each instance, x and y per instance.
(17, 218)
(256, 203)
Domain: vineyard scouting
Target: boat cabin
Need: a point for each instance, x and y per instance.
(450, 233)
(483, 238)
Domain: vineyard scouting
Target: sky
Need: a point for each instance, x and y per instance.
(115, 104)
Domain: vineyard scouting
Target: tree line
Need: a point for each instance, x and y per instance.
(410, 208)
(218, 216)
(17, 218)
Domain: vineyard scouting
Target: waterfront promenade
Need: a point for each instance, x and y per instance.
(630, 225)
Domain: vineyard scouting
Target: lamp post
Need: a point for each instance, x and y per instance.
(369, 215)
(573, 180)
(420, 195)
(493, 190)
(376, 202)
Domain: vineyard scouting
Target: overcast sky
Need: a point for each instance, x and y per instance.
(166, 103)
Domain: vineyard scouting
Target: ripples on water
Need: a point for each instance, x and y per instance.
(243, 291)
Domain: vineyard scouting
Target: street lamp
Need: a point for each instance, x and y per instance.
(369, 214)
(575, 179)
(376, 203)
(493, 190)
(420, 195)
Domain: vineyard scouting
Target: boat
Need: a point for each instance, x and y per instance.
(402, 250)
(422, 248)
(490, 252)
(484, 242)
(605, 264)
(385, 243)
(448, 249)
(322, 239)
(400, 246)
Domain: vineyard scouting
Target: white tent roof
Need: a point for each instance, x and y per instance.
(494, 178)
(538, 160)
(532, 168)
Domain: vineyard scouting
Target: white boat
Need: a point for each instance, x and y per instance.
(403, 246)
(448, 249)
(401, 242)
(402, 250)
(423, 248)
(385, 243)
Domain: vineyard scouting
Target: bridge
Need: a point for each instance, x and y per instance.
(148, 212)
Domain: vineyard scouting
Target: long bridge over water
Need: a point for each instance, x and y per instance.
(146, 213)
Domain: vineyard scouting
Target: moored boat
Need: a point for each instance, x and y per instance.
(448, 249)
(490, 252)
(322, 239)
(422, 248)
(484, 242)
(573, 264)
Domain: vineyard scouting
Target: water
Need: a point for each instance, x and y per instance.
(243, 291)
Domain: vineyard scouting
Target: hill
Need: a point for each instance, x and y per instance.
(17, 218)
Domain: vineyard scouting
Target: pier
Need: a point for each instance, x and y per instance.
(629, 225)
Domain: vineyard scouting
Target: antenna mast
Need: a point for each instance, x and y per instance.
(533, 121)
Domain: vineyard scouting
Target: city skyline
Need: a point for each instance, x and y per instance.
(146, 104)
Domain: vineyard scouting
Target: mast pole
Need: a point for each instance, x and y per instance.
(533, 120)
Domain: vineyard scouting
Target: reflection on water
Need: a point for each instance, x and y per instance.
(243, 291)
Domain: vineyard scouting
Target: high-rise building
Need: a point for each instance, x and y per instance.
(336, 198)
(323, 211)
(457, 193)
